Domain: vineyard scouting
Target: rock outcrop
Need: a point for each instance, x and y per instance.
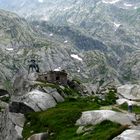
(38, 100)
(11, 125)
(29, 96)
(129, 91)
(97, 116)
(129, 135)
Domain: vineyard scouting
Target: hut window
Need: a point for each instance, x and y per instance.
(57, 78)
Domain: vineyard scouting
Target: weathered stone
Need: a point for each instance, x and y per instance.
(11, 125)
(129, 91)
(129, 135)
(80, 130)
(84, 129)
(40, 136)
(38, 100)
(54, 94)
(32, 76)
(3, 104)
(21, 84)
(97, 116)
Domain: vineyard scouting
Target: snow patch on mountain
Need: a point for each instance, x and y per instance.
(110, 1)
(9, 49)
(128, 5)
(78, 70)
(76, 57)
(41, 1)
(51, 34)
(117, 25)
(66, 41)
(57, 69)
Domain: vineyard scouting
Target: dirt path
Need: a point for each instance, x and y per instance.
(117, 108)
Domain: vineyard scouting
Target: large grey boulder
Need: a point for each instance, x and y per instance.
(129, 135)
(97, 116)
(21, 84)
(38, 100)
(53, 92)
(3, 104)
(129, 91)
(11, 125)
(12, 121)
(40, 136)
(91, 88)
(32, 76)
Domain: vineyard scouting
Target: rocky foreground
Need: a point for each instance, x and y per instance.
(18, 111)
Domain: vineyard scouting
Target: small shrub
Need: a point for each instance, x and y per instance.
(110, 98)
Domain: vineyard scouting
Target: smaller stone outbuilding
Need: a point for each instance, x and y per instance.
(55, 77)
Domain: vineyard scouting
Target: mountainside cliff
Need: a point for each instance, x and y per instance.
(103, 35)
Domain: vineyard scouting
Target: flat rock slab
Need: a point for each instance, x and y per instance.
(97, 116)
(39, 100)
(129, 91)
(129, 135)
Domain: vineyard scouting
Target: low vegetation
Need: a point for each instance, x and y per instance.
(109, 99)
(59, 122)
(135, 109)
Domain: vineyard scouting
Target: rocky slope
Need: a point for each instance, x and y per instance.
(15, 33)
(20, 42)
(111, 27)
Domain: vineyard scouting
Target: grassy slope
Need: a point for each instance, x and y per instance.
(136, 109)
(60, 122)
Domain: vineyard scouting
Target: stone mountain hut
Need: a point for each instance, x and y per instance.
(55, 77)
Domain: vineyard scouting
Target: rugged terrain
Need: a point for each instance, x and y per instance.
(21, 42)
(104, 30)
(96, 42)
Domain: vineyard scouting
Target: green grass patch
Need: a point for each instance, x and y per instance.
(106, 130)
(135, 108)
(60, 121)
